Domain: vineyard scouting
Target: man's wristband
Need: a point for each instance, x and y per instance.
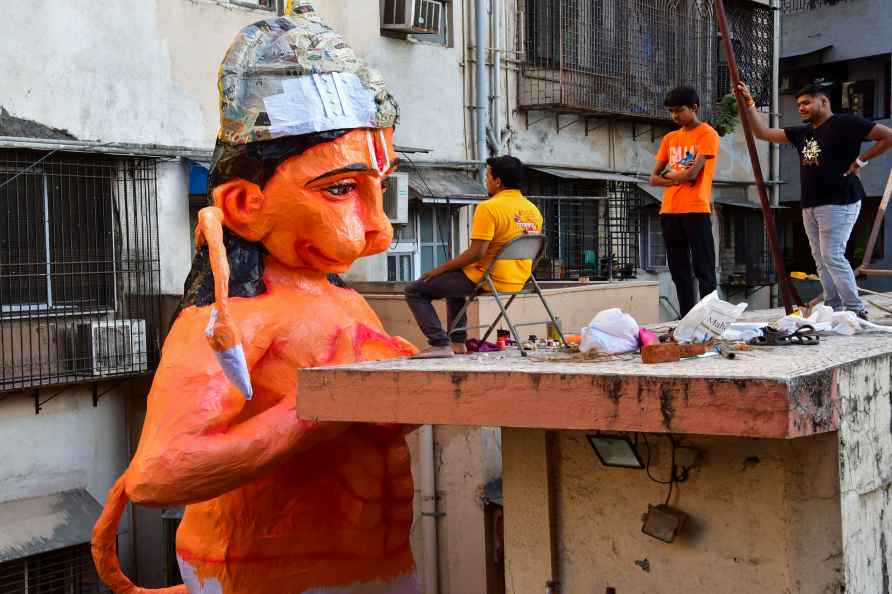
(860, 163)
(750, 103)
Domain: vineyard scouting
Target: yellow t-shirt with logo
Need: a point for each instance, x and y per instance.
(499, 220)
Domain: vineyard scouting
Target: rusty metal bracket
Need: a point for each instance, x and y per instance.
(589, 128)
(97, 395)
(636, 135)
(527, 122)
(557, 122)
(38, 404)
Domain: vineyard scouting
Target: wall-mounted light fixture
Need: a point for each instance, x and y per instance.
(616, 450)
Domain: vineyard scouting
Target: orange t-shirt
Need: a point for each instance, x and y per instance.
(680, 148)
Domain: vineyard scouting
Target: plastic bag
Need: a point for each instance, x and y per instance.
(708, 319)
(611, 331)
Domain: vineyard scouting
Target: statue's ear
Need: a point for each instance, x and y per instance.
(242, 203)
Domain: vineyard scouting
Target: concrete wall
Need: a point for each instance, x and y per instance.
(575, 306)
(69, 445)
(466, 459)
(764, 514)
(856, 28)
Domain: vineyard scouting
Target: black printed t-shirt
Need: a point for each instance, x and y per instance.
(825, 154)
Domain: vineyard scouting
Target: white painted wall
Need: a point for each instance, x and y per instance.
(69, 445)
(175, 239)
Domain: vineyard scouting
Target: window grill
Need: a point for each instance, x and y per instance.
(79, 267)
(794, 6)
(744, 250)
(621, 57)
(592, 227)
(64, 571)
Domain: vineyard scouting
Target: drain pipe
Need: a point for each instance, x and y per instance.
(775, 122)
(497, 43)
(775, 103)
(482, 82)
(429, 513)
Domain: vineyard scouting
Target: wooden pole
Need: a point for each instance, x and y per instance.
(767, 214)
(875, 232)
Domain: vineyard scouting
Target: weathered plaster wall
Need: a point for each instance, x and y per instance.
(466, 459)
(149, 74)
(865, 393)
(763, 513)
(575, 306)
(174, 229)
(69, 445)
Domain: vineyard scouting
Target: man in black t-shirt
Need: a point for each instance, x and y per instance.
(829, 148)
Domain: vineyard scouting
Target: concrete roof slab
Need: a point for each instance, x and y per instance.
(771, 392)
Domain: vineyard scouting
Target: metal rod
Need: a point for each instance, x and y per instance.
(767, 215)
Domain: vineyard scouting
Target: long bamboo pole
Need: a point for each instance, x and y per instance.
(767, 214)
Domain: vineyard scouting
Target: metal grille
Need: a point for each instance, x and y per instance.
(592, 228)
(745, 254)
(79, 268)
(794, 6)
(625, 201)
(65, 571)
(621, 57)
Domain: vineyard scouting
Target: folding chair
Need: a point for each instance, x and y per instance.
(525, 247)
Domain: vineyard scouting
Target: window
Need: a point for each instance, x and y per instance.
(401, 19)
(654, 248)
(435, 232)
(859, 86)
(265, 4)
(444, 35)
(64, 571)
(57, 249)
(79, 267)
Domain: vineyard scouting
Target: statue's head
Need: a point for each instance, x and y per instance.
(304, 145)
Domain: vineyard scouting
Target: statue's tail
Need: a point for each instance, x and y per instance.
(105, 552)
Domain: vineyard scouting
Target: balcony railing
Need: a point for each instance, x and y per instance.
(794, 6)
(79, 268)
(620, 57)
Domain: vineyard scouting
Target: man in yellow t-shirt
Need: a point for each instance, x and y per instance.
(685, 165)
(506, 215)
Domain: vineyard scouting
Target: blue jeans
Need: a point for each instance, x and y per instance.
(828, 228)
(454, 287)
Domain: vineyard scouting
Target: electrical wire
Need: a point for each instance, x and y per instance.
(676, 475)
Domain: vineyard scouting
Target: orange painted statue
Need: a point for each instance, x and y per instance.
(275, 504)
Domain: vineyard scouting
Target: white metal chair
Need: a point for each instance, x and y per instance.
(524, 247)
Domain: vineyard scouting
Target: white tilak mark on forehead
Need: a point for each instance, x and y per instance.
(372, 156)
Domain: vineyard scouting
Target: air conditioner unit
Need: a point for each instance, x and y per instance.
(109, 347)
(412, 16)
(396, 198)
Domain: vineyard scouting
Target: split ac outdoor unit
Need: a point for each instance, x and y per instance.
(109, 347)
(412, 16)
(396, 198)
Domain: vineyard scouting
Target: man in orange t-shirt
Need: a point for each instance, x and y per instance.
(685, 165)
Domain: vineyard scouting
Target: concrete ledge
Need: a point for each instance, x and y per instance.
(773, 392)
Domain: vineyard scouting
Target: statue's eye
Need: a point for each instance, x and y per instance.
(340, 189)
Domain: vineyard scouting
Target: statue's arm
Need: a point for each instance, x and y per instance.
(200, 438)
